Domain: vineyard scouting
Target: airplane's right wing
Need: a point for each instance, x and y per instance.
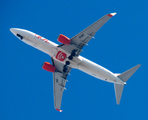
(82, 38)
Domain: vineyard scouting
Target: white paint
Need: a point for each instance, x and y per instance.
(113, 14)
(79, 62)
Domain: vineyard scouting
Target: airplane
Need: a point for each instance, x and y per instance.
(67, 56)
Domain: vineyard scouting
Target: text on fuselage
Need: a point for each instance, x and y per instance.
(41, 38)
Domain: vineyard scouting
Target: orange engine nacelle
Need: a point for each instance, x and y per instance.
(63, 39)
(47, 66)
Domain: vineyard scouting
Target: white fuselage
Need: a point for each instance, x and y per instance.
(55, 52)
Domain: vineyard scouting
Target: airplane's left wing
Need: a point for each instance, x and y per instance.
(59, 82)
(82, 38)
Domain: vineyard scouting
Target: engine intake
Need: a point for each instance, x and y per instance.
(48, 67)
(63, 39)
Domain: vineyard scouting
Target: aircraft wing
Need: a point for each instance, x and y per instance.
(59, 82)
(82, 38)
(77, 43)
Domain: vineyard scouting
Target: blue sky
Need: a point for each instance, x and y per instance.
(26, 90)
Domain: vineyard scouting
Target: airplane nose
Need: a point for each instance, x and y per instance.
(13, 30)
(20, 33)
(17, 32)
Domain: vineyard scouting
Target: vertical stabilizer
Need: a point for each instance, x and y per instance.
(118, 92)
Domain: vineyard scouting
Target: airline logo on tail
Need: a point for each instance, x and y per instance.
(61, 56)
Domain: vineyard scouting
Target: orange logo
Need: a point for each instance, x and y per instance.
(61, 56)
(41, 38)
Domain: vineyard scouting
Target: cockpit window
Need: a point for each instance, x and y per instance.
(20, 36)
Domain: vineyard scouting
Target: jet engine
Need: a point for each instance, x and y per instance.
(48, 67)
(63, 39)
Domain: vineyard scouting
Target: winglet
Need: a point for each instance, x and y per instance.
(111, 14)
(59, 110)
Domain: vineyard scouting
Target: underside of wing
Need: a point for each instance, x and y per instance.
(82, 38)
(58, 86)
(59, 82)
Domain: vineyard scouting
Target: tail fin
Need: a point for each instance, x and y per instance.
(124, 77)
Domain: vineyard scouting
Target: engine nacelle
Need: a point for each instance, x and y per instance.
(63, 39)
(48, 67)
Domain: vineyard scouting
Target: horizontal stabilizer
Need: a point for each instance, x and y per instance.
(118, 92)
(126, 75)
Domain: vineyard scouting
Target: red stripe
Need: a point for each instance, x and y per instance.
(109, 15)
(58, 110)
